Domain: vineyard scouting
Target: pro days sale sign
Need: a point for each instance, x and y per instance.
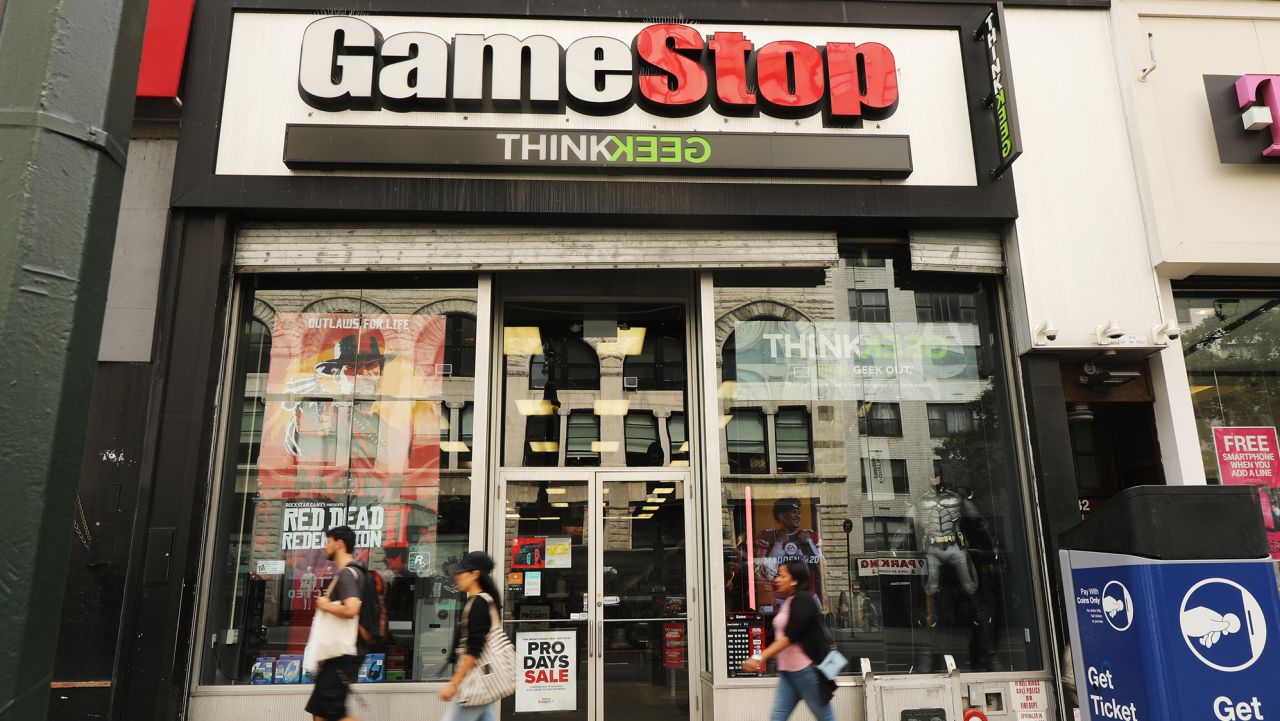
(546, 677)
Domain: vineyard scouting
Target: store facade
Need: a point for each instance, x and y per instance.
(644, 306)
(1217, 271)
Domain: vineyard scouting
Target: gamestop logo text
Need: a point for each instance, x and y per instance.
(668, 69)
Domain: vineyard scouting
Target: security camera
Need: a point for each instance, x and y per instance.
(1165, 332)
(1110, 332)
(1045, 332)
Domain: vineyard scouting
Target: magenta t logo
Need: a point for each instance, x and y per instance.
(1264, 90)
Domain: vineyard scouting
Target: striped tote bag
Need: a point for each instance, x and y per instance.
(494, 675)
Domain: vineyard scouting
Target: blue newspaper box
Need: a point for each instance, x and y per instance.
(1172, 603)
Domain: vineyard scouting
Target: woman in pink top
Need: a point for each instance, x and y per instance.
(799, 643)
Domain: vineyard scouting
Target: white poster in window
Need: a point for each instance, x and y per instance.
(271, 567)
(546, 674)
(533, 583)
(901, 566)
(559, 553)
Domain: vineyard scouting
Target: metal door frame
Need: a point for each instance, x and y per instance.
(595, 623)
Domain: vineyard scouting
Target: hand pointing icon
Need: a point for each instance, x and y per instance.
(1207, 625)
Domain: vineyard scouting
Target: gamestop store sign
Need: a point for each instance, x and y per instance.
(399, 94)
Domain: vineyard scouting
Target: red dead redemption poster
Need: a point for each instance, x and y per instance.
(350, 436)
(353, 405)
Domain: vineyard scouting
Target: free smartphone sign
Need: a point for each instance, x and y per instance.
(1250, 456)
(1247, 455)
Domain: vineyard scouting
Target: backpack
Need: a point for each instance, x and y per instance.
(373, 609)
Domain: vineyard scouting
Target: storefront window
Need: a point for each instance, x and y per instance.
(867, 432)
(586, 384)
(1231, 344)
(357, 410)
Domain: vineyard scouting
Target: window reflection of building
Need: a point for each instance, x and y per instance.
(747, 438)
(640, 429)
(880, 419)
(660, 365)
(589, 385)
(885, 533)
(794, 451)
(903, 411)
(946, 307)
(883, 478)
(1231, 345)
(948, 418)
(869, 306)
(460, 345)
(583, 438)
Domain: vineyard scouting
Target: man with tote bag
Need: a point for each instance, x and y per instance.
(332, 651)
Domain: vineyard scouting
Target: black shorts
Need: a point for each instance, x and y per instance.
(329, 697)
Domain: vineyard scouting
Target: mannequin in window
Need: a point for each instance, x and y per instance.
(940, 514)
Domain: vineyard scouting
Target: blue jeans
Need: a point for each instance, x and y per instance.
(794, 686)
(457, 712)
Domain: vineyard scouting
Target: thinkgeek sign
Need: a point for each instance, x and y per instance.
(417, 93)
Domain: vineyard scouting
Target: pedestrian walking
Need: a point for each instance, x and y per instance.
(333, 650)
(800, 643)
(483, 657)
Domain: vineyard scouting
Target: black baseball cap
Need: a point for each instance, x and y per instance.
(472, 561)
(785, 504)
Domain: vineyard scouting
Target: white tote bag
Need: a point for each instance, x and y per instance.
(330, 637)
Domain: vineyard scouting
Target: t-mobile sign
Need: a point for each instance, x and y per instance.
(1248, 456)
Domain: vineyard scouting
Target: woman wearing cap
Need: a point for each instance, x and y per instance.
(472, 576)
(800, 643)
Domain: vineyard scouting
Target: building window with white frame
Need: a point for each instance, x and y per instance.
(880, 419)
(888, 533)
(794, 445)
(869, 306)
(746, 434)
(883, 478)
(948, 418)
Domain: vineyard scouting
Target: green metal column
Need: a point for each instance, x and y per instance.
(68, 72)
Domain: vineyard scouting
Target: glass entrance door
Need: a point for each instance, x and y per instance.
(596, 593)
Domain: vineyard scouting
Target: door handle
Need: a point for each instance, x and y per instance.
(591, 641)
(600, 636)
